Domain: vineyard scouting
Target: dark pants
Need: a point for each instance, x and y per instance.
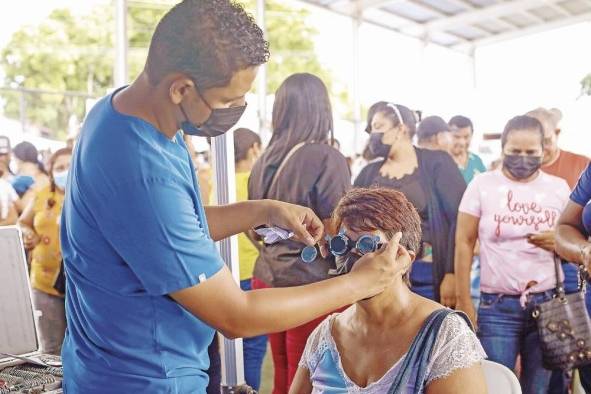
(254, 350)
(506, 330)
(421, 279)
(215, 367)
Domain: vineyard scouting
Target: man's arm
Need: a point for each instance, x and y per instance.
(220, 302)
(227, 220)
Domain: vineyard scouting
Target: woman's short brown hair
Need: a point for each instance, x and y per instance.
(380, 209)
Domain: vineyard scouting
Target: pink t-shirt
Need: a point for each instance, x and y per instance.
(508, 212)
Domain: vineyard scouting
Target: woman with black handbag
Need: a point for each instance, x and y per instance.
(572, 241)
(504, 209)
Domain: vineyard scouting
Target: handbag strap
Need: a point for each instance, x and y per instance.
(559, 283)
(284, 162)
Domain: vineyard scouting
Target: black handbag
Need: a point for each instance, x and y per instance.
(564, 326)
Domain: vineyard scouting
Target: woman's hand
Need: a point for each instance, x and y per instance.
(447, 290)
(376, 271)
(302, 221)
(30, 238)
(544, 240)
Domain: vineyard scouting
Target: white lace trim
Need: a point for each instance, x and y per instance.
(456, 347)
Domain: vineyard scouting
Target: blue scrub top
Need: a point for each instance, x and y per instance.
(133, 230)
(582, 193)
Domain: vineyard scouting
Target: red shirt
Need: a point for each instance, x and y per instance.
(569, 166)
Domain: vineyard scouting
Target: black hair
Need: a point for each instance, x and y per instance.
(208, 40)
(302, 111)
(461, 122)
(408, 117)
(522, 122)
(26, 152)
(244, 139)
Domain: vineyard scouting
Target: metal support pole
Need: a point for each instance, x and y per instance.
(225, 192)
(473, 67)
(356, 80)
(120, 71)
(23, 111)
(262, 77)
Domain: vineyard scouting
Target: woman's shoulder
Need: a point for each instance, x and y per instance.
(368, 173)
(318, 343)
(456, 347)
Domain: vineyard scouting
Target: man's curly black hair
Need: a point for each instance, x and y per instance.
(209, 40)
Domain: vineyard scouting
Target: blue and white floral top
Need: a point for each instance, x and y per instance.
(456, 347)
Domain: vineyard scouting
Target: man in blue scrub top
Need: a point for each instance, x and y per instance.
(572, 240)
(145, 284)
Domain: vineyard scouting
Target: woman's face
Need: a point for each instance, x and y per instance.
(62, 163)
(381, 123)
(524, 143)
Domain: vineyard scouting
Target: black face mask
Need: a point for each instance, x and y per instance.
(220, 120)
(522, 167)
(377, 147)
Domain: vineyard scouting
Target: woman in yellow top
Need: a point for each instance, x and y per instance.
(40, 225)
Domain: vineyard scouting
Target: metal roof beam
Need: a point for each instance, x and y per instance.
(443, 15)
(586, 17)
(558, 9)
(493, 11)
(358, 6)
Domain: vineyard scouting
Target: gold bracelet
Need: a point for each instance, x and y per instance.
(582, 249)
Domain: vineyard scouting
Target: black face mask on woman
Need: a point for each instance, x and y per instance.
(522, 167)
(377, 147)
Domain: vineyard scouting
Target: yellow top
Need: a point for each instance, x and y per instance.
(47, 256)
(247, 252)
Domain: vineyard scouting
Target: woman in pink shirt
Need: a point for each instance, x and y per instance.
(513, 212)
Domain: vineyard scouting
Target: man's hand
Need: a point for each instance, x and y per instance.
(544, 240)
(304, 223)
(465, 305)
(447, 290)
(376, 271)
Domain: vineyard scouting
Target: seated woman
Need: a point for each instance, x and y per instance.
(397, 341)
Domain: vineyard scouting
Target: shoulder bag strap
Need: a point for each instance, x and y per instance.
(284, 162)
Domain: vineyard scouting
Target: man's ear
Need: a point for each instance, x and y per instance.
(413, 256)
(179, 88)
(558, 131)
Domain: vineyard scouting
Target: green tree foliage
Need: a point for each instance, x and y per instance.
(586, 85)
(75, 53)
